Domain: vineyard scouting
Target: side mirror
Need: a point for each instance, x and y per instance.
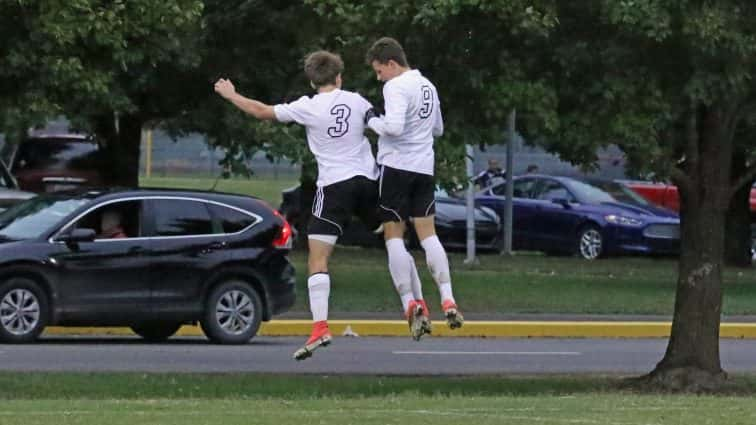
(78, 235)
(563, 202)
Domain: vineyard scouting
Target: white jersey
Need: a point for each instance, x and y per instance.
(335, 133)
(413, 118)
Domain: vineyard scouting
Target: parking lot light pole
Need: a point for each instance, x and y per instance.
(507, 224)
(470, 207)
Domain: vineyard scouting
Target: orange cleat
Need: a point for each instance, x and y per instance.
(320, 337)
(453, 316)
(417, 317)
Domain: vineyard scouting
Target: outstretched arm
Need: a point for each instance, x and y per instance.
(252, 107)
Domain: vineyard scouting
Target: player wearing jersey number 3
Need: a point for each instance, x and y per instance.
(405, 156)
(347, 173)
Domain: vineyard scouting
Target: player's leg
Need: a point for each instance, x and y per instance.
(324, 228)
(393, 211)
(319, 290)
(423, 211)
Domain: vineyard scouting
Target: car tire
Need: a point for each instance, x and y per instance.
(233, 313)
(590, 243)
(24, 310)
(156, 331)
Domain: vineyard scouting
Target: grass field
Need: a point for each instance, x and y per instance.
(265, 399)
(267, 189)
(525, 283)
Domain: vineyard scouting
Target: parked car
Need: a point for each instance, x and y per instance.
(177, 257)
(451, 224)
(561, 215)
(9, 193)
(50, 162)
(666, 195)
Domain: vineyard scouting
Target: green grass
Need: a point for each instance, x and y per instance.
(267, 189)
(520, 284)
(360, 281)
(70, 398)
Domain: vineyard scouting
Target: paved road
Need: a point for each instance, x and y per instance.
(374, 355)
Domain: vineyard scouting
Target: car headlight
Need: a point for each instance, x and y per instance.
(619, 219)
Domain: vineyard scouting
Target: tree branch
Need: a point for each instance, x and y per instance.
(748, 176)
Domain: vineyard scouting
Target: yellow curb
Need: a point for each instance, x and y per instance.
(512, 329)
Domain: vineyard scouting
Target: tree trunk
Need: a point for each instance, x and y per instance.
(738, 232)
(692, 361)
(121, 147)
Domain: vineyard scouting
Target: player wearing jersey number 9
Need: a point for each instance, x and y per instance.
(406, 189)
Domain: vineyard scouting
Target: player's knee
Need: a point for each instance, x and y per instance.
(318, 264)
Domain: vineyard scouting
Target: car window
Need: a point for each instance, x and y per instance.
(622, 193)
(178, 217)
(230, 220)
(34, 217)
(523, 188)
(589, 194)
(56, 154)
(549, 190)
(117, 220)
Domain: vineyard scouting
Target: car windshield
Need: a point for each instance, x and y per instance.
(589, 194)
(34, 217)
(56, 154)
(622, 193)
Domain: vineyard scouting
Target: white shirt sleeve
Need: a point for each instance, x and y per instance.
(438, 122)
(299, 111)
(391, 124)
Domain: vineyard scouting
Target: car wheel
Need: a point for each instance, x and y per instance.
(590, 243)
(233, 313)
(156, 331)
(23, 310)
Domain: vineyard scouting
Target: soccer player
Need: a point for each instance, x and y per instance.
(406, 188)
(347, 173)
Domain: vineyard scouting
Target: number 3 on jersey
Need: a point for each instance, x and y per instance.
(342, 113)
(427, 105)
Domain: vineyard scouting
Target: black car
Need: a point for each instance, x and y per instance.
(450, 219)
(9, 193)
(177, 257)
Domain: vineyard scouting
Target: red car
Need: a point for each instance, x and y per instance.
(666, 195)
(54, 162)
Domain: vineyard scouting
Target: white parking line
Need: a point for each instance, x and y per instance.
(489, 353)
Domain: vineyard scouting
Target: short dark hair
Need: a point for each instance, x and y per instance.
(322, 67)
(384, 50)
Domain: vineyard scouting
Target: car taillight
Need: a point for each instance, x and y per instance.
(283, 239)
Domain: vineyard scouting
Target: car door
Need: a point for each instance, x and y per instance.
(106, 279)
(523, 209)
(556, 215)
(187, 246)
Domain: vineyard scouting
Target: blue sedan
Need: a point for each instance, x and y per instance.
(561, 215)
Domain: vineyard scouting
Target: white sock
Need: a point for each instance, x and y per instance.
(319, 287)
(438, 265)
(416, 284)
(446, 292)
(401, 272)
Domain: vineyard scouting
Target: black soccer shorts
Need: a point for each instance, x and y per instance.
(335, 205)
(404, 194)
